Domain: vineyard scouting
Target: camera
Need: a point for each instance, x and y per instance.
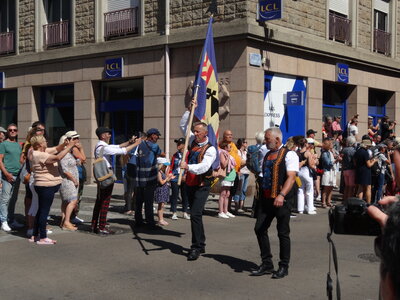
(352, 218)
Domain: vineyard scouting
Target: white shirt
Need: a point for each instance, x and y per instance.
(109, 150)
(291, 159)
(243, 155)
(353, 130)
(209, 156)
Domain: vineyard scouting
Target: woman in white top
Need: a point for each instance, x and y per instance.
(244, 173)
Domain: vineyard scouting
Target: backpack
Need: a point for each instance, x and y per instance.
(252, 162)
(103, 175)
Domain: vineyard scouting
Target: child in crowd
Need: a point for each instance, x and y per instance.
(228, 162)
(161, 194)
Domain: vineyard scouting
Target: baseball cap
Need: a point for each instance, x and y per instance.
(2, 129)
(311, 131)
(366, 140)
(101, 130)
(369, 117)
(179, 141)
(163, 160)
(153, 131)
(71, 134)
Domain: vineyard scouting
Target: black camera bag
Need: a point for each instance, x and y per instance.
(352, 218)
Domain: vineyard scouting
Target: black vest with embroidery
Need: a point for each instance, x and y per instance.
(196, 155)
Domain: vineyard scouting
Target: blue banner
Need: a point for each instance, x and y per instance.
(269, 10)
(114, 68)
(2, 80)
(342, 73)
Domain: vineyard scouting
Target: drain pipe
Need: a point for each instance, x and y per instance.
(167, 82)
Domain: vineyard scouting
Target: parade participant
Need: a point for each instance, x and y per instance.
(174, 169)
(47, 181)
(161, 194)
(146, 179)
(280, 167)
(100, 209)
(198, 180)
(10, 152)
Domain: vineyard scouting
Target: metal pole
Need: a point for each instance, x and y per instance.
(167, 83)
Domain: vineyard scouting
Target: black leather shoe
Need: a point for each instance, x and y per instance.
(280, 273)
(202, 250)
(262, 270)
(193, 254)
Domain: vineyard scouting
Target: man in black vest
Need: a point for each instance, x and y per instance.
(279, 169)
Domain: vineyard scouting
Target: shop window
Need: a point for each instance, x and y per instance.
(7, 26)
(121, 109)
(57, 111)
(8, 107)
(57, 30)
(335, 100)
(377, 100)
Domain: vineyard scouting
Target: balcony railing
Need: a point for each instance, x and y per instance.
(339, 29)
(56, 34)
(120, 22)
(382, 41)
(7, 42)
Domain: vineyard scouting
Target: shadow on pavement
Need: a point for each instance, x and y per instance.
(163, 245)
(237, 264)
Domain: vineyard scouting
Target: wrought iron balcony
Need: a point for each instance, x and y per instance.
(339, 29)
(7, 42)
(56, 34)
(382, 41)
(120, 23)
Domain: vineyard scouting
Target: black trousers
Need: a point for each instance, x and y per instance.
(145, 195)
(265, 214)
(197, 196)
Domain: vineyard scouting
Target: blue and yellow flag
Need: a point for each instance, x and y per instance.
(207, 90)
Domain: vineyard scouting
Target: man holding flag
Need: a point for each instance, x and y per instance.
(202, 156)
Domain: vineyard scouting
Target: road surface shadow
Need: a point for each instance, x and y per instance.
(163, 245)
(237, 264)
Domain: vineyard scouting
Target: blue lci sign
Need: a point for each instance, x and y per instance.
(342, 73)
(294, 98)
(269, 10)
(114, 68)
(2, 80)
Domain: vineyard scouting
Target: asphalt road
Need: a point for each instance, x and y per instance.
(152, 264)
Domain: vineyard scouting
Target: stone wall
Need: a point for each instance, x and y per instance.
(154, 16)
(398, 32)
(84, 21)
(27, 26)
(364, 24)
(305, 16)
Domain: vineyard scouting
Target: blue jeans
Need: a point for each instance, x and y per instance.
(379, 190)
(5, 198)
(243, 184)
(46, 197)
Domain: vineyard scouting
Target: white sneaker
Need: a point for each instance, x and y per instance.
(186, 216)
(319, 198)
(230, 215)
(300, 212)
(174, 216)
(5, 227)
(223, 216)
(77, 220)
(313, 212)
(16, 225)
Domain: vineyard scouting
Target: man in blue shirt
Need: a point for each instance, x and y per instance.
(146, 176)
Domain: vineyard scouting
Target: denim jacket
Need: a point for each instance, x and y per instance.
(326, 159)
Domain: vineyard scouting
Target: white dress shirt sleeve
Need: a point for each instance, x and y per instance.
(114, 150)
(292, 161)
(183, 124)
(205, 164)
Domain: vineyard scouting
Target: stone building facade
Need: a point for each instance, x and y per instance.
(65, 84)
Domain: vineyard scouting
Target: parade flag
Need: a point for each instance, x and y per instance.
(206, 86)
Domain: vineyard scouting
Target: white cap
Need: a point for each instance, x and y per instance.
(310, 140)
(163, 160)
(71, 134)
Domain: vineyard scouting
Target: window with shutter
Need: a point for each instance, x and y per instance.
(114, 5)
(339, 6)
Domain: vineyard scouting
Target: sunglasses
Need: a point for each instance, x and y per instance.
(12, 130)
(39, 129)
(378, 246)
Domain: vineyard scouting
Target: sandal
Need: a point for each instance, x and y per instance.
(46, 241)
(69, 228)
(163, 223)
(323, 205)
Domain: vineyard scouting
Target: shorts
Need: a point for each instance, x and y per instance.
(349, 177)
(328, 178)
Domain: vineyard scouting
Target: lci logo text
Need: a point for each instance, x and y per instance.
(342, 73)
(269, 10)
(114, 67)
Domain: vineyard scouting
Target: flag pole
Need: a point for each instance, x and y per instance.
(188, 130)
(189, 125)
